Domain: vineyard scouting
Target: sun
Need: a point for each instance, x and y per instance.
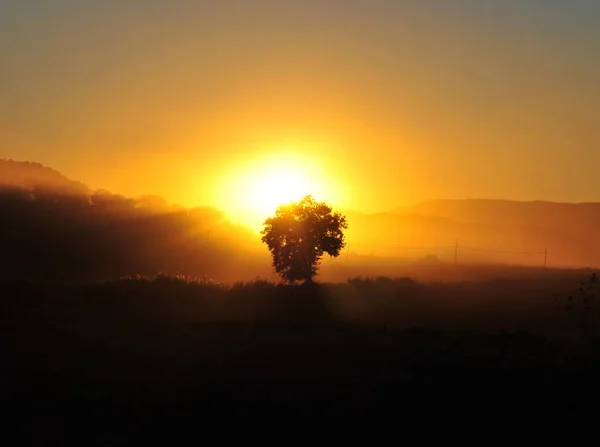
(253, 190)
(276, 186)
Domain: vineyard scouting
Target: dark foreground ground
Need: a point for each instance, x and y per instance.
(157, 359)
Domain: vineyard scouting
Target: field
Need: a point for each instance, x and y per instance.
(121, 357)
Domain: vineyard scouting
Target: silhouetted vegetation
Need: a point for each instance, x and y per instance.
(149, 350)
(97, 342)
(583, 306)
(62, 234)
(298, 236)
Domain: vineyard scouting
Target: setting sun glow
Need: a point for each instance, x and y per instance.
(273, 188)
(254, 190)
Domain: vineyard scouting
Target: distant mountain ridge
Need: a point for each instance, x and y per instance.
(490, 230)
(484, 209)
(579, 217)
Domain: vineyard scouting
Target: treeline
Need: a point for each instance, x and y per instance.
(67, 236)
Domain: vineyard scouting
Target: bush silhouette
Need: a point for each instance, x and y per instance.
(298, 236)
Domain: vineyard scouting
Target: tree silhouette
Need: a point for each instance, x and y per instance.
(298, 236)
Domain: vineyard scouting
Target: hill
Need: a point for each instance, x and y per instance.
(53, 228)
(496, 231)
(579, 216)
(34, 176)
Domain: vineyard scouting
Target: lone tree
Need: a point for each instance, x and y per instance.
(298, 236)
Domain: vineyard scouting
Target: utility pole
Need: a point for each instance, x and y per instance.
(545, 257)
(456, 252)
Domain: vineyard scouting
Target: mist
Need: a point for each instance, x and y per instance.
(54, 228)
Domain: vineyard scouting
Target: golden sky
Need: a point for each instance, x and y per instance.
(374, 103)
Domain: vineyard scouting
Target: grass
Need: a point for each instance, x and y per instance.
(149, 348)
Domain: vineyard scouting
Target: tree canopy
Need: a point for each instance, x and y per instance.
(300, 234)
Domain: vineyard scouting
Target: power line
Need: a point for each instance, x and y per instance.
(456, 247)
(456, 252)
(416, 248)
(502, 251)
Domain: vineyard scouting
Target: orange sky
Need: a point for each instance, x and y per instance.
(393, 102)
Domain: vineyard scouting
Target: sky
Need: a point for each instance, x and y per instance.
(378, 103)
